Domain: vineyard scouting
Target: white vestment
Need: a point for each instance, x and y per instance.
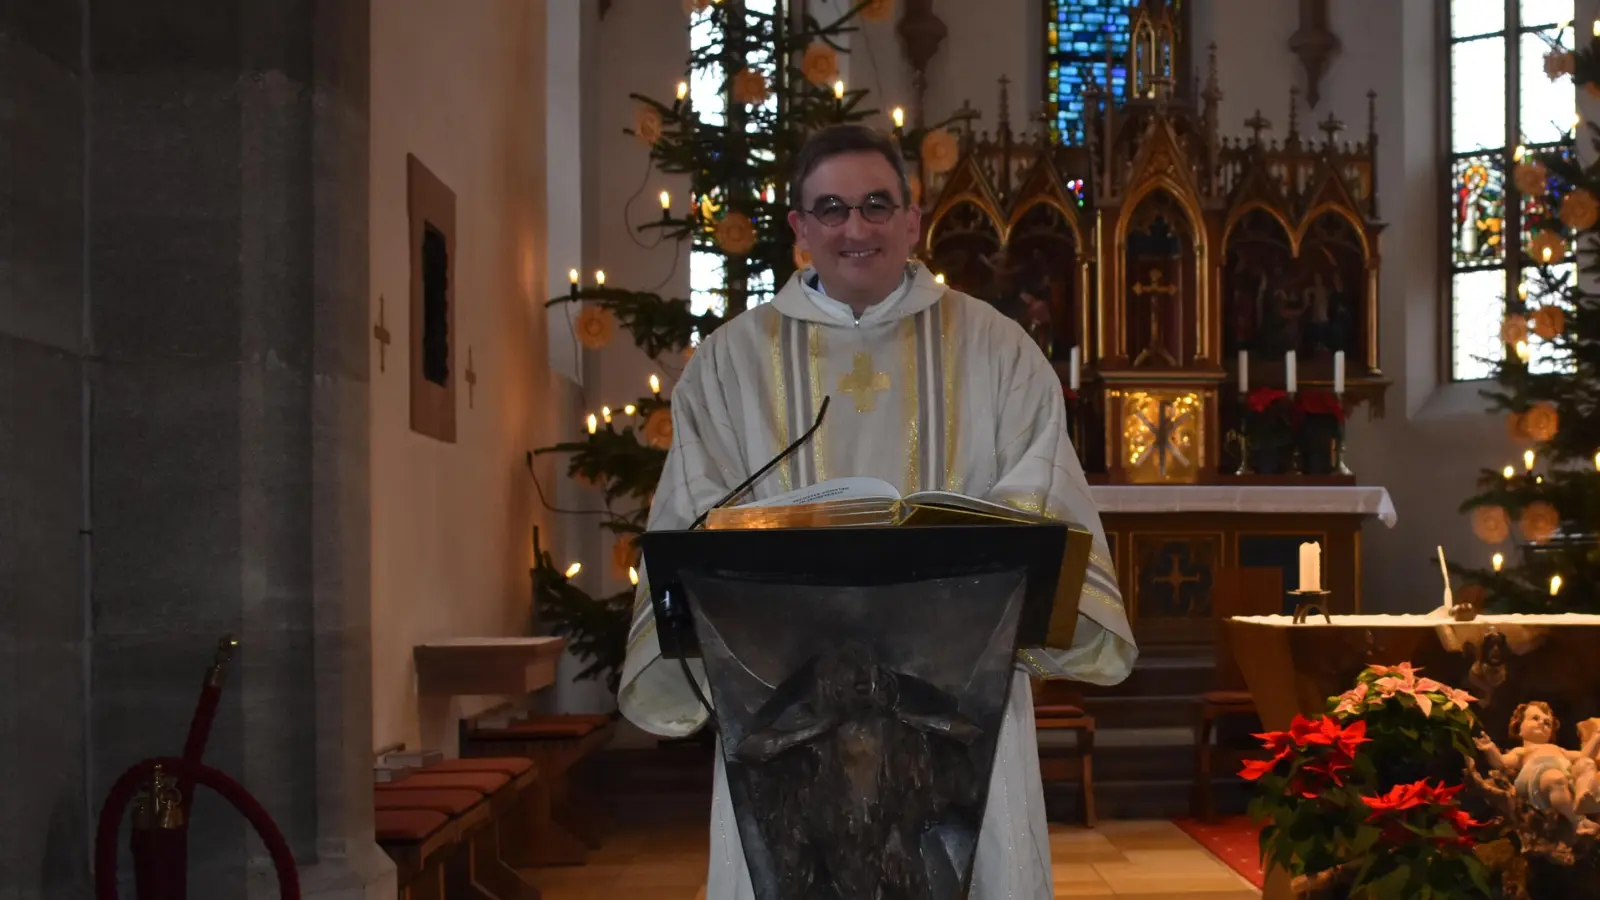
(931, 389)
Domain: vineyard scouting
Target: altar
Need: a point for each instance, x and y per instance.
(1168, 540)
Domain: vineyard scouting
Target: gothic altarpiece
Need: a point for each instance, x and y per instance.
(1160, 249)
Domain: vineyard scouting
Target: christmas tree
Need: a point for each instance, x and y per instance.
(777, 78)
(1548, 389)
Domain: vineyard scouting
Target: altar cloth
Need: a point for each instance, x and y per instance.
(1259, 499)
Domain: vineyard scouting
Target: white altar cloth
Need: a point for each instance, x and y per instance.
(1164, 498)
(1427, 620)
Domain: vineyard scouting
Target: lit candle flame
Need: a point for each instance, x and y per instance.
(605, 413)
(574, 569)
(600, 277)
(1522, 291)
(939, 278)
(1555, 585)
(655, 384)
(1546, 253)
(683, 89)
(630, 409)
(1508, 472)
(1597, 461)
(666, 201)
(593, 423)
(572, 275)
(838, 90)
(1497, 561)
(1527, 459)
(1597, 27)
(1522, 350)
(1518, 153)
(633, 576)
(899, 117)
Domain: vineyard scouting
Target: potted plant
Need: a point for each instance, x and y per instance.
(1321, 424)
(1268, 428)
(1363, 800)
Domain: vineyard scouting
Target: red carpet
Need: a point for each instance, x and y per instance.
(1234, 840)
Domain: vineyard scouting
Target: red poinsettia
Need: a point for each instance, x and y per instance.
(1404, 814)
(1320, 403)
(1263, 398)
(1328, 750)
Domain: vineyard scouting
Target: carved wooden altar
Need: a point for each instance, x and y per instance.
(1161, 249)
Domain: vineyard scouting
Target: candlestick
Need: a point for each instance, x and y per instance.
(1073, 363)
(1310, 567)
(1338, 372)
(1289, 371)
(1244, 371)
(655, 385)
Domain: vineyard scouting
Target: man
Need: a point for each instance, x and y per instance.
(931, 389)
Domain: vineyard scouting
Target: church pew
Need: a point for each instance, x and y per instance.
(418, 841)
(477, 804)
(570, 824)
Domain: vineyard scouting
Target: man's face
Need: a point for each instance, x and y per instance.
(861, 262)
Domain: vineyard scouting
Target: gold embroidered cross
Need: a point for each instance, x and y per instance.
(864, 383)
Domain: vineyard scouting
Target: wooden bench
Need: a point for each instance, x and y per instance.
(1057, 708)
(570, 823)
(452, 827)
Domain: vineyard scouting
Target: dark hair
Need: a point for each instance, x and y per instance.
(837, 140)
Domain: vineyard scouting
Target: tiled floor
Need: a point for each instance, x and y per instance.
(1143, 860)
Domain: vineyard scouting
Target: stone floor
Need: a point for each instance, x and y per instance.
(1145, 860)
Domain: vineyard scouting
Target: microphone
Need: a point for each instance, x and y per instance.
(748, 482)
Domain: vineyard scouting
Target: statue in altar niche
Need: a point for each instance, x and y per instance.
(831, 731)
(1544, 776)
(1277, 301)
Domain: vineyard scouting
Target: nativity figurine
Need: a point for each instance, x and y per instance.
(1545, 775)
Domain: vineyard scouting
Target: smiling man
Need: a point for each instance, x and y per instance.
(932, 389)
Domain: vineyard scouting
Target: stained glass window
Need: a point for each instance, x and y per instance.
(1077, 34)
(1500, 101)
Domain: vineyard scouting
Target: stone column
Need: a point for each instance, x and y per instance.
(183, 380)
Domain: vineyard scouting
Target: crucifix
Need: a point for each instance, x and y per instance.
(863, 384)
(1157, 348)
(380, 332)
(1257, 124)
(472, 380)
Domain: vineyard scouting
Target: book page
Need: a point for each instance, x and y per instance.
(953, 500)
(852, 488)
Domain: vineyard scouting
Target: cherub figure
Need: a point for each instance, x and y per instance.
(1545, 775)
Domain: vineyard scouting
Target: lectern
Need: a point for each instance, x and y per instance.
(858, 678)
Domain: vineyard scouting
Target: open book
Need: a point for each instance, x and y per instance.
(867, 502)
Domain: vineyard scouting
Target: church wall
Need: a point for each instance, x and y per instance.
(462, 87)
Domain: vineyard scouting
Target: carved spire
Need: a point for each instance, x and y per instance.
(1294, 117)
(1257, 124)
(1152, 54)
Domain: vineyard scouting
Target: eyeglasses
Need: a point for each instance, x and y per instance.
(834, 212)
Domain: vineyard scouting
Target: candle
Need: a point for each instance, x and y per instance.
(1555, 585)
(1444, 573)
(666, 201)
(1527, 459)
(629, 409)
(1073, 363)
(899, 116)
(1597, 461)
(574, 569)
(1597, 27)
(605, 413)
(1338, 372)
(633, 576)
(939, 278)
(572, 276)
(1497, 561)
(1289, 371)
(600, 277)
(683, 89)
(1508, 472)
(1244, 371)
(593, 423)
(838, 90)
(1311, 567)
(655, 385)
(1522, 351)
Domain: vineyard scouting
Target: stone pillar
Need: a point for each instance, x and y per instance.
(183, 380)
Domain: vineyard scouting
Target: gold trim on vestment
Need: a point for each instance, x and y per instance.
(819, 453)
(911, 388)
(952, 409)
(780, 396)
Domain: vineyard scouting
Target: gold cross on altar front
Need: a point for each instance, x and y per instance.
(863, 383)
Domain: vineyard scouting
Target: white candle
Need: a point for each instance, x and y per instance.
(1444, 574)
(1289, 371)
(1311, 566)
(1073, 362)
(1338, 373)
(1244, 371)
